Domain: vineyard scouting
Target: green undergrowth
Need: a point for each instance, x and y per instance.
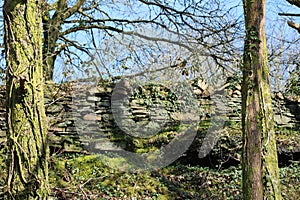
(93, 177)
(88, 177)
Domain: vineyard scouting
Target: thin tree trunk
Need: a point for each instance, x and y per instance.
(26, 120)
(260, 164)
(52, 29)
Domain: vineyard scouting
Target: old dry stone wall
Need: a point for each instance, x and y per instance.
(81, 119)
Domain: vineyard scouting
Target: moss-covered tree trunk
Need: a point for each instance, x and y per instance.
(26, 120)
(260, 164)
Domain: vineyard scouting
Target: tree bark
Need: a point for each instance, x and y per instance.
(26, 120)
(260, 164)
(52, 28)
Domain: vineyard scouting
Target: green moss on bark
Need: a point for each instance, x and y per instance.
(26, 121)
(260, 163)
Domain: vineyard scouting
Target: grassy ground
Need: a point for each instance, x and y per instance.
(88, 177)
(74, 176)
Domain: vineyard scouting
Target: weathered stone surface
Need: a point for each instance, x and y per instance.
(92, 117)
(282, 119)
(93, 98)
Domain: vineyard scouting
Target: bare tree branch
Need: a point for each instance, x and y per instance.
(192, 26)
(294, 2)
(289, 14)
(294, 25)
